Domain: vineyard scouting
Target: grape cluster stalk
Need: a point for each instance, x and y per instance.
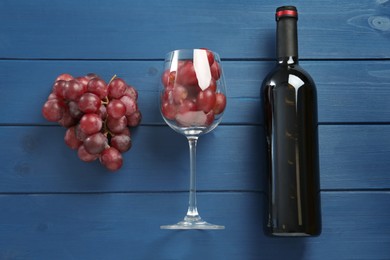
(98, 116)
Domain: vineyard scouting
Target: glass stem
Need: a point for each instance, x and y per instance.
(192, 212)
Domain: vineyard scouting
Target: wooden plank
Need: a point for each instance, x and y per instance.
(35, 159)
(348, 91)
(355, 156)
(126, 226)
(145, 76)
(357, 91)
(148, 29)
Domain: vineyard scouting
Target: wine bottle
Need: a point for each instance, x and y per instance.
(290, 99)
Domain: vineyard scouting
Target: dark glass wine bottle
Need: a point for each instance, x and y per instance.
(290, 99)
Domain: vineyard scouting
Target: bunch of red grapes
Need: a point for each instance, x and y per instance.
(97, 116)
(185, 102)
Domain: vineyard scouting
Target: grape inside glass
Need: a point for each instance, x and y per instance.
(192, 102)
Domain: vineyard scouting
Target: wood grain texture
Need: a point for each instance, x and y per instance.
(123, 29)
(35, 159)
(348, 91)
(39, 161)
(53, 206)
(355, 157)
(126, 226)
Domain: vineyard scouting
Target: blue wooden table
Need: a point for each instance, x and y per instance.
(53, 206)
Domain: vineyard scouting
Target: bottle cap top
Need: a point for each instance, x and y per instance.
(286, 11)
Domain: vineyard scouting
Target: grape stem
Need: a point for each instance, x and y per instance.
(105, 129)
(113, 77)
(105, 101)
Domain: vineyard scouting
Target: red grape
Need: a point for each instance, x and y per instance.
(186, 74)
(111, 158)
(134, 119)
(167, 96)
(180, 93)
(168, 110)
(89, 103)
(98, 87)
(126, 132)
(186, 106)
(67, 120)
(85, 156)
(220, 103)
(121, 142)
(96, 143)
(80, 134)
(74, 110)
(102, 112)
(131, 92)
(90, 76)
(168, 78)
(90, 124)
(130, 104)
(215, 71)
(53, 110)
(116, 125)
(74, 90)
(116, 109)
(65, 77)
(59, 88)
(83, 81)
(210, 118)
(193, 90)
(206, 100)
(52, 96)
(117, 88)
(71, 138)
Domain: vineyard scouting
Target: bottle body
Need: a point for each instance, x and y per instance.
(290, 99)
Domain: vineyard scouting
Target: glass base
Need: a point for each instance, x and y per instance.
(192, 223)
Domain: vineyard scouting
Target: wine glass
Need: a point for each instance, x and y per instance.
(192, 101)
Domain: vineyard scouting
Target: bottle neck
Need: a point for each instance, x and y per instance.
(287, 41)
